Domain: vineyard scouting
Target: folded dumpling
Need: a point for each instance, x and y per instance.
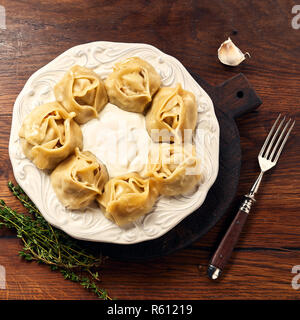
(128, 197)
(79, 179)
(132, 84)
(173, 111)
(49, 135)
(174, 167)
(82, 91)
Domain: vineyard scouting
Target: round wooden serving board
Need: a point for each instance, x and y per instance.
(231, 99)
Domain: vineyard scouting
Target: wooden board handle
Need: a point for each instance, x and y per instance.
(236, 96)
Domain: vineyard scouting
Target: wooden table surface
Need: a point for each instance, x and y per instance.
(261, 265)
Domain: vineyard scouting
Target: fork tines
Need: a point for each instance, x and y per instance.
(281, 139)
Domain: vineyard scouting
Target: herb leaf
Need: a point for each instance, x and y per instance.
(49, 245)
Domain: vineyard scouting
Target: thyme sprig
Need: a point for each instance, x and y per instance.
(46, 244)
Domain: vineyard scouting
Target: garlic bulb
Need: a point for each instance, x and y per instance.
(230, 54)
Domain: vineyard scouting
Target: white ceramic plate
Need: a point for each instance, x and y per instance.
(91, 224)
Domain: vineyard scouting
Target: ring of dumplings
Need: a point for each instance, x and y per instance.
(51, 138)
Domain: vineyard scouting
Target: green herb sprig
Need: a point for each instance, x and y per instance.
(49, 245)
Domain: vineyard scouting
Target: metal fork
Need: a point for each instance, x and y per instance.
(267, 159)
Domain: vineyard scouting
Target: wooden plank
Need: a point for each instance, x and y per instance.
(256, 273)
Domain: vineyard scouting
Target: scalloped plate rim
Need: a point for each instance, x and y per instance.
(49, 218)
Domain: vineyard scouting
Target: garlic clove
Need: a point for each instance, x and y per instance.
(230, 54)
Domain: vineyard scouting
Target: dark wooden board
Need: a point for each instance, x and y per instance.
(231, 99)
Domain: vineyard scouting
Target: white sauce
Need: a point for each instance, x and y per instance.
(119, 139)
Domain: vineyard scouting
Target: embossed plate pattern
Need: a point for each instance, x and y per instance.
(91, 224)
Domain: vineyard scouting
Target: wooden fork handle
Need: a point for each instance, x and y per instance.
(224, 251)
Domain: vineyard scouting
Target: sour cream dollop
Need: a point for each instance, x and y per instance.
(119, 139)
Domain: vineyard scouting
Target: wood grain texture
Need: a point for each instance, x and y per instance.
(260, 267)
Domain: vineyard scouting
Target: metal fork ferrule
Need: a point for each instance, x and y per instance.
(247, 203)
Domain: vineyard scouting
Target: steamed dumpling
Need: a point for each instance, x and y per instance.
(79, 179)
(173, 111)
(174, 167)
(128, 197)
(49, 135)
(82, 91)
(132, 84)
